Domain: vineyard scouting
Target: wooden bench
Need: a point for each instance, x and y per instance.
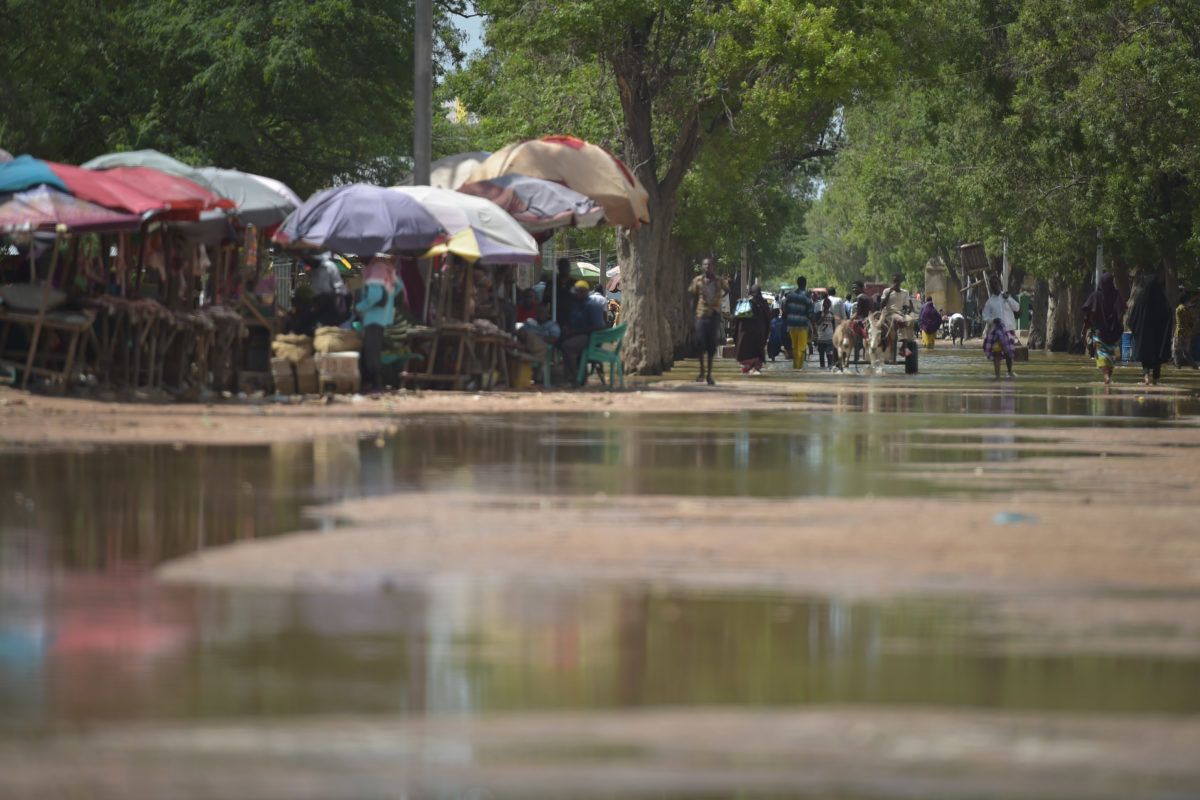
(73, 324)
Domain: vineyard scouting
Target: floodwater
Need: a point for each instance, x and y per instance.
(87, 637)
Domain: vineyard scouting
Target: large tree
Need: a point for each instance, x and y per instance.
(664, 82)
(307, 91)
(1042, 125)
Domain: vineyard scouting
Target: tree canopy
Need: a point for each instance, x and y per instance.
(306, 91)
(1040, 124)
(708, 102)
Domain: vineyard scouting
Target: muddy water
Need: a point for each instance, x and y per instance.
(84, 636)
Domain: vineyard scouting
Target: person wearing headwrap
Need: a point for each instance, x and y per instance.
(1152, 325)
(929, 321)
(751, 333)
(378, 311)
(1104, 314)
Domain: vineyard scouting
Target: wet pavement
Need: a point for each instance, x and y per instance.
(87, 637)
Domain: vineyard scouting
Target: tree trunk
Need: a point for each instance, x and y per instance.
(652, 287)
(1065, 316)
(1037, 315)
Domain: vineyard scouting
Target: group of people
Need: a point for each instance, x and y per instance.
(762, 332)
(1159, 333)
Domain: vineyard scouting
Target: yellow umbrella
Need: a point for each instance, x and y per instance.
(475, 246)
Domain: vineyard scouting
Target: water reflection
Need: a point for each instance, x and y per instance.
(133, 507)
(453, 648)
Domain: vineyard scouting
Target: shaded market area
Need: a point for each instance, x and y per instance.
(806, 586)
(139, 274)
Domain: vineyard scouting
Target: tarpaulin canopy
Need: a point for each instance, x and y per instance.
(154, 160)
(109, 190)
(179, 193)
(25, 172)
(46, 208)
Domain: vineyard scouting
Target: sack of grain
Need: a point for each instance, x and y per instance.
(292, 346)
(336, 340)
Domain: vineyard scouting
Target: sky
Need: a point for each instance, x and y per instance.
(473, 27)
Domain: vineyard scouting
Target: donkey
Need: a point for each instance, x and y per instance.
(846, 340)
(881, 338)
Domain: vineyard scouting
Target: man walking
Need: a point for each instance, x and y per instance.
(709, 290)
(798, 312)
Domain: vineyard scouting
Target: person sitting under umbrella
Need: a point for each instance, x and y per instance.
(587, 314)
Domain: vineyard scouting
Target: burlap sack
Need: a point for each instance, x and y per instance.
(336, 340)
(292, 346)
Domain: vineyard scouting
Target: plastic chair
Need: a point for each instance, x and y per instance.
(604, 347)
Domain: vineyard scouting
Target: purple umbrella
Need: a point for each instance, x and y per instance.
(46, 207)
(359, 219)
(539, 205)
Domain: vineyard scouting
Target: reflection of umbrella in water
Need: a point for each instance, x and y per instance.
(359, 219)
(538, 204)
(587, 168)
(480, 230)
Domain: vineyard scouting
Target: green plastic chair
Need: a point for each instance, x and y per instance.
(604, 347)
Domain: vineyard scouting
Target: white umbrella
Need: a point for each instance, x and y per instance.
(451, 172)
(458, 212)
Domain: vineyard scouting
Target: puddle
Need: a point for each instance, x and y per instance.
(90, 653)
(84, 636)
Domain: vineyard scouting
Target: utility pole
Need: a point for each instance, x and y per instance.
(1004, 262)
(422, 93)
(1099, 256)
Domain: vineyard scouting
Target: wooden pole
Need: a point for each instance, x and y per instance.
(422, 92)
(41, 317)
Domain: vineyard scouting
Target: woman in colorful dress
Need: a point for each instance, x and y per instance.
(1104, 314)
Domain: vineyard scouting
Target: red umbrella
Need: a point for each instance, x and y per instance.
(108, 189)
(184, 198)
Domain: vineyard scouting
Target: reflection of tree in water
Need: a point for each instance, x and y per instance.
(137, 506)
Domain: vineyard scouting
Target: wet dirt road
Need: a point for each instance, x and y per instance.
(786, 586)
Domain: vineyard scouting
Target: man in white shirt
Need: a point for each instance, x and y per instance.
(837, 306)
(1000, 319)
(1001, 306)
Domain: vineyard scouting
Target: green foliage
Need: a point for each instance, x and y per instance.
(1037, 123)
(307, 91)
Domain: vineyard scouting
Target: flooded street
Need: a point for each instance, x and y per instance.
(834, 586)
